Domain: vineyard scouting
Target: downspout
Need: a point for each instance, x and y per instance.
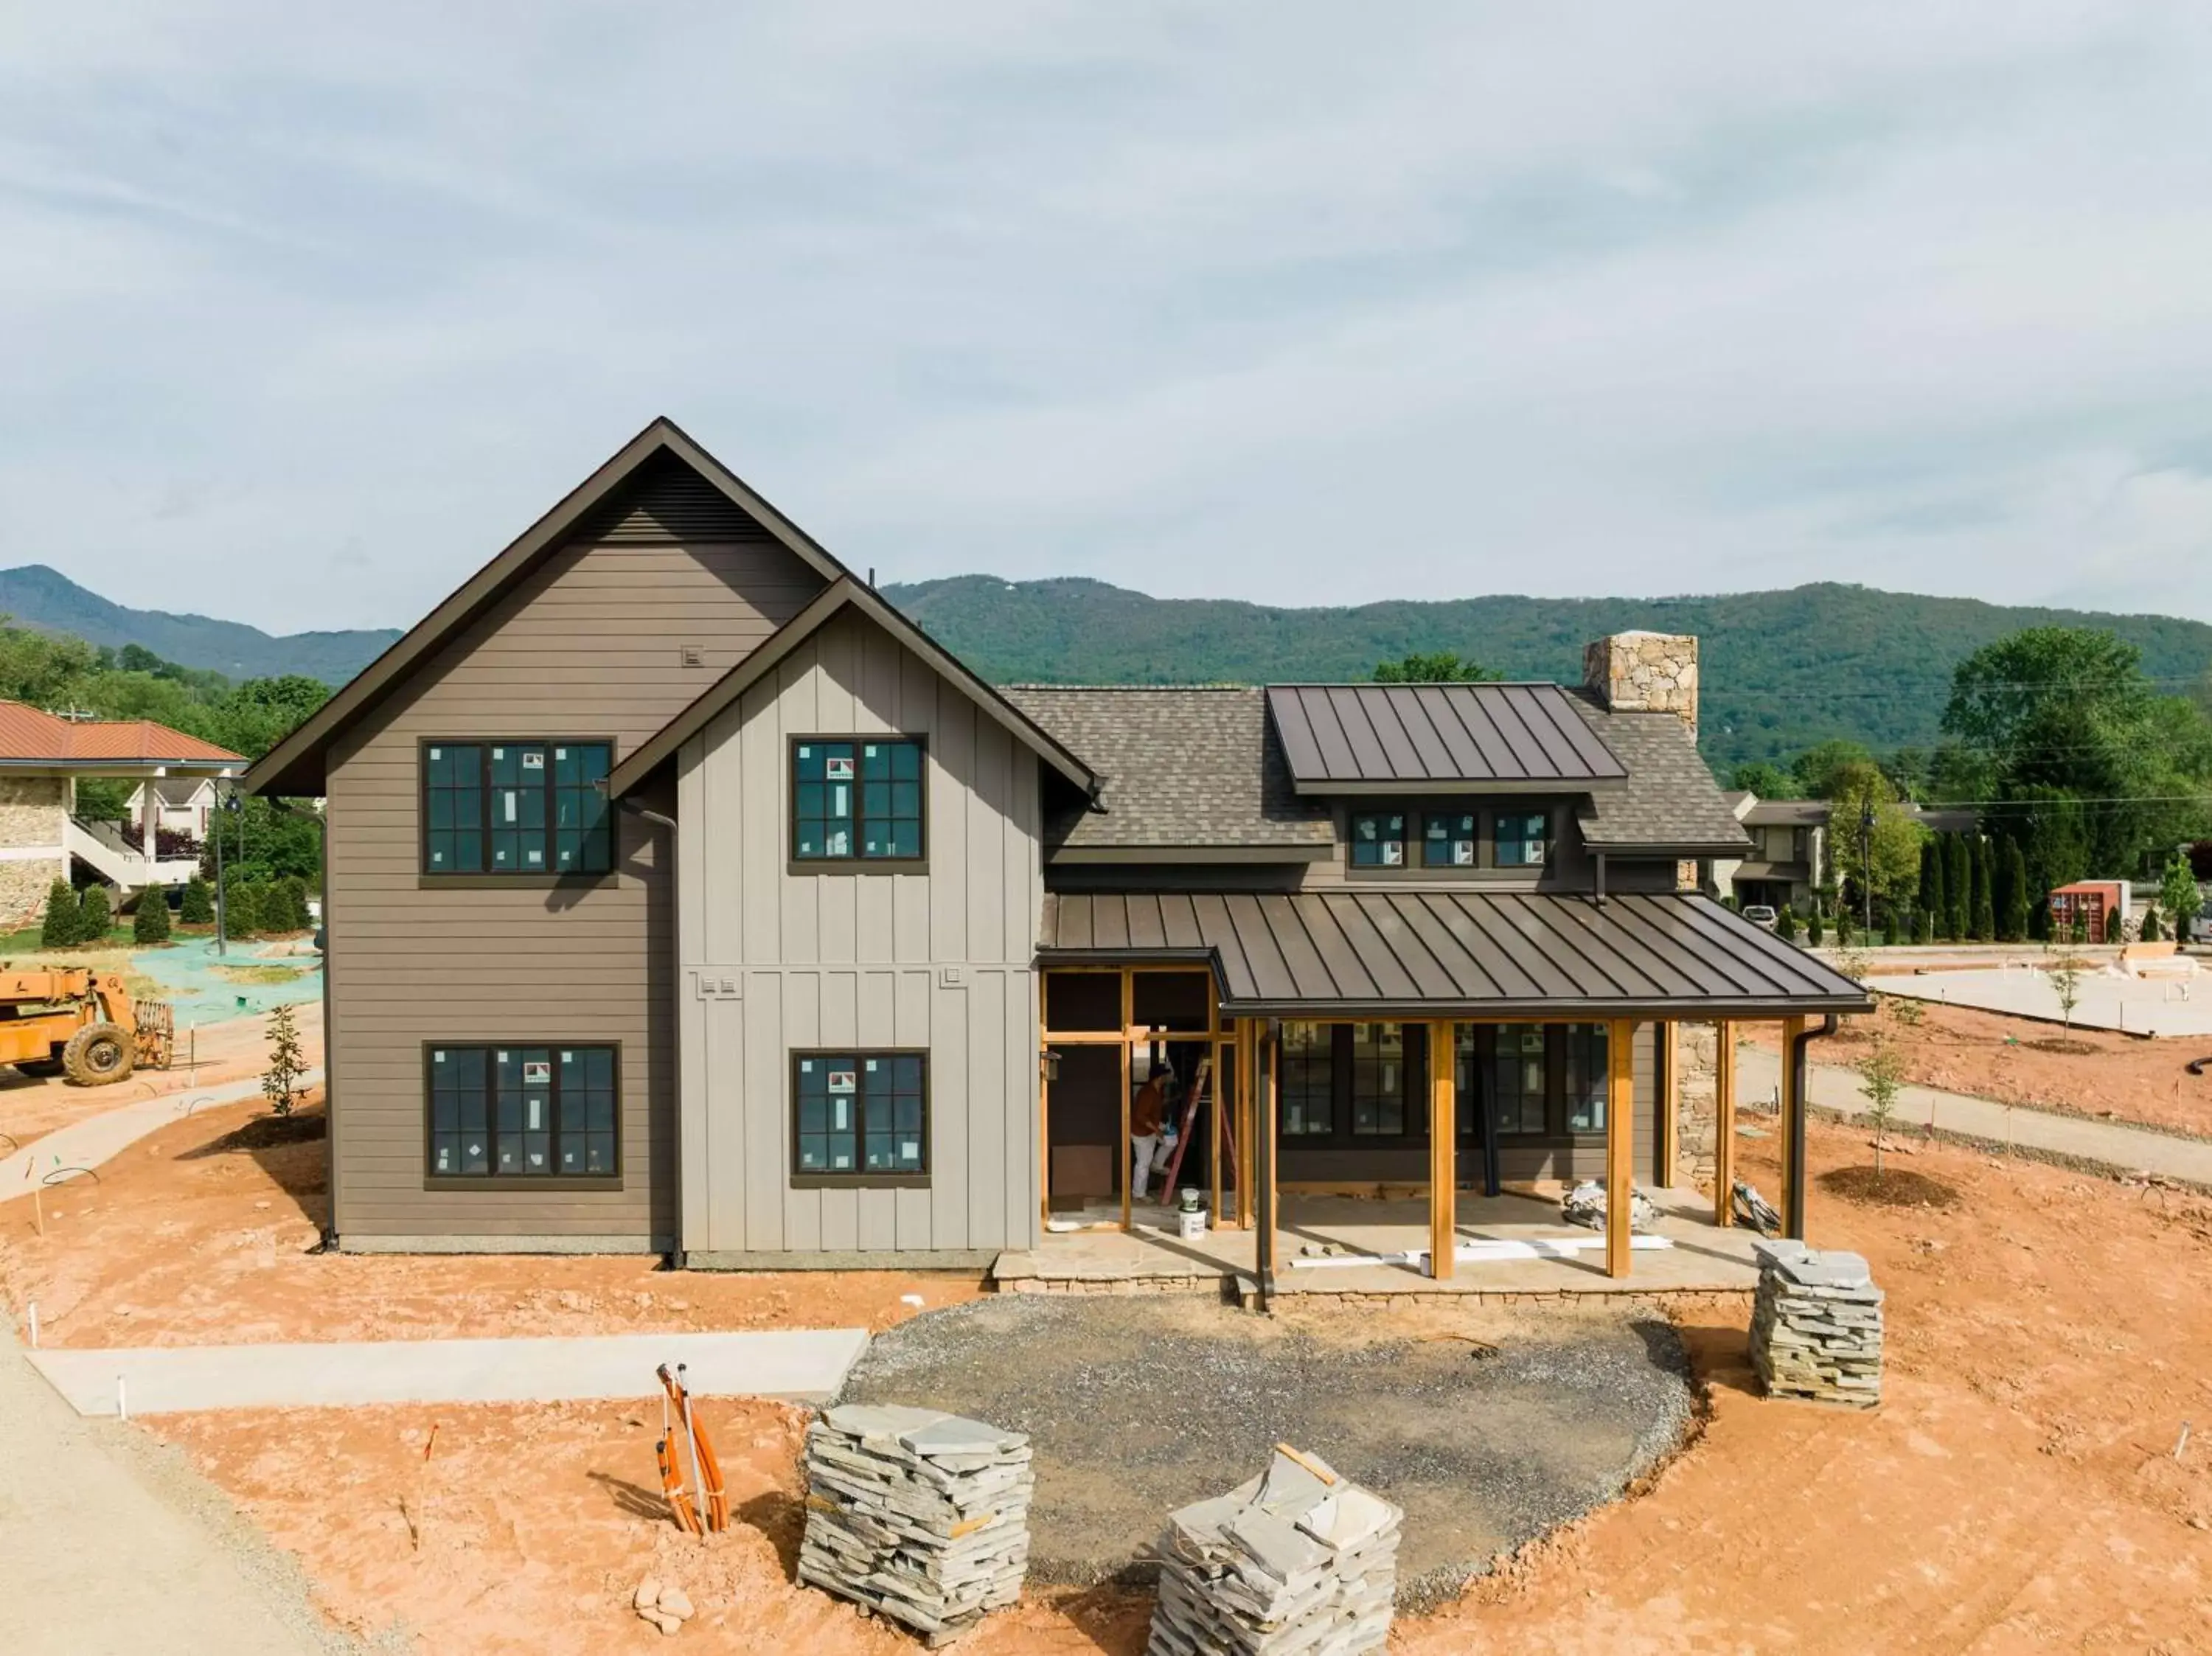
(1600, 879)
(660, 820)
(328, 1242)
(1263, 1178)
(1793, 1221)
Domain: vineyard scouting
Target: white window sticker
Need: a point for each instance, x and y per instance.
(910, 1150)
(536, 1075)
(533, 856)
(843, 1160)
(435, 753)
(499, 753)
(537, 1122)
(870, 1066)
(437, 1058)
(1393, 853)
(533, 761)
(870, 751)
(843, 1081)
(837, 769)
(508, 798)
(841, 1116)
(560, 753)
(502, 1057)
(841, 802)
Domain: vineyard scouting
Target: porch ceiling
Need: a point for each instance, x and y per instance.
(1439, 954)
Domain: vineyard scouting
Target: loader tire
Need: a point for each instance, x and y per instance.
(97, 1054)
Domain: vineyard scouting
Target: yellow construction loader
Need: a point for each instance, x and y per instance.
(82, 1024)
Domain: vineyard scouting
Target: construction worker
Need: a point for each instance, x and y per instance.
(1147, 1112)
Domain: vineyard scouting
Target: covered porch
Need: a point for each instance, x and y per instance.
(1385, 1048)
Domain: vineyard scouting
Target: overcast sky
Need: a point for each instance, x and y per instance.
(305, 311)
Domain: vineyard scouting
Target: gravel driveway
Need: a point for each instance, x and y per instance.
(1487, 1428)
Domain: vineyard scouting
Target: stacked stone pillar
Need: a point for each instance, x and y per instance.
(1299, 1562)
(922, 1516)
(1816, 1326)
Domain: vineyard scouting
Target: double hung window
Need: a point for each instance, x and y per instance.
(1378, 1080)
(1378, 838)
(517, 1112)
(854, 800)
(1521, 838)
(1450, 838)
(516, 808)
(860, 1114)
(1519, 1078)
(1308, 1080)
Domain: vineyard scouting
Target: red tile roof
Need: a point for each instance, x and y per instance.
(29, 736)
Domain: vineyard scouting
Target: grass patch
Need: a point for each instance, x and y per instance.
(1893, 1187)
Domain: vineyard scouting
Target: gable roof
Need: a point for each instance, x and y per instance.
(31, 735)
(1670, 804)
(841, 594)
(1343, 738)
(295, 766)
(174, 790)
(1181, 767)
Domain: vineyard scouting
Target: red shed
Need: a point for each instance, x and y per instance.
(2098, 907)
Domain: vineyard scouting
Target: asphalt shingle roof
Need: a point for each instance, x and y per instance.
(1182, 766)
(1670, 799)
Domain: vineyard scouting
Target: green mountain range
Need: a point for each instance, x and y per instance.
(35, 595)
(1782, 671)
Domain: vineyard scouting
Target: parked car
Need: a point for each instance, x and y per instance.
(1760, 914)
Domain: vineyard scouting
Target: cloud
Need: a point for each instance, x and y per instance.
(1237, 300)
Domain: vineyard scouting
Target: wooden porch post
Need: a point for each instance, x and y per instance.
(1724, 1124)
(1248, 1115)
(1128, 1017)
(1443, 1172)
(1791, 1116)
(1619, 1142)
(1669, 1106)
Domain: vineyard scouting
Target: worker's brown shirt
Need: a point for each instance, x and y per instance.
(1144, 1112)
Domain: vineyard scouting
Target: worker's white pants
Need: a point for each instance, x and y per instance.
(1141, 1146)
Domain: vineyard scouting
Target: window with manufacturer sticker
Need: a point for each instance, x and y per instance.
(857, 800)
(516, 808)
(519, 1112)
(860, 1114)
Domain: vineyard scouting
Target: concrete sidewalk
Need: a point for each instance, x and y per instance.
(99, 1139)
(2130, 1149)
(111, 1551)
(802, 1365)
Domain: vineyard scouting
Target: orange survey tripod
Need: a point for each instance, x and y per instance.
(703, 1506)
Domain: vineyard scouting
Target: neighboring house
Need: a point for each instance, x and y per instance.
(684, 896)
(42, 756)
(1793, 853)
(182, 804)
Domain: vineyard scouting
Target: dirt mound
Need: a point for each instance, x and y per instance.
(1893, 1188)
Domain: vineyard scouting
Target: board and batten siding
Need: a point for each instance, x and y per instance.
(591, 645)
(775, 962)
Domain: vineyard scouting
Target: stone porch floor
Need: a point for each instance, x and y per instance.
(1153, 1258)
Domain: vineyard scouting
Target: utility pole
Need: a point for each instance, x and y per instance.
(1866, 861)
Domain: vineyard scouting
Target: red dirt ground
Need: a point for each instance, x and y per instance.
(2017, 1490)
(188, 1240)
(1986, 1054)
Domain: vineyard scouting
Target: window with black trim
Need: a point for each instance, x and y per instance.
(545, 1111)
(1587, 1076)
(1520, 1078)
(1522, 839)
(856, 800)
(1450, 838)
(516, 808)
(858, 1114)
(1378, 838)
(1307, 1081)
(1378, 1080)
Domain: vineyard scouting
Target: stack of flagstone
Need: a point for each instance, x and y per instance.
(921, 1516)
(1816, 1325)
(1299, 1560)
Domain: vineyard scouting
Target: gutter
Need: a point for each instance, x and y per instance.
(1792, 1217)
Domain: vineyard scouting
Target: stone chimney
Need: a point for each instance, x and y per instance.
(1645, 673)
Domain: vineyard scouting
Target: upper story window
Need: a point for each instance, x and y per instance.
(857, 801)
(1450, 838)
(501, 807)
(1521, 838)
(1378, 838)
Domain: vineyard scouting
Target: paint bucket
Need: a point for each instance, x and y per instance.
(1192, 1222)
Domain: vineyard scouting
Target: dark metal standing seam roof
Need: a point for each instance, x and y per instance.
(1431, 954)
(1436, 734)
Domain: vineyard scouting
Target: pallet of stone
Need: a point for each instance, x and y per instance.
(1298, 1561)
(916, 1514)
(1816, 1325)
